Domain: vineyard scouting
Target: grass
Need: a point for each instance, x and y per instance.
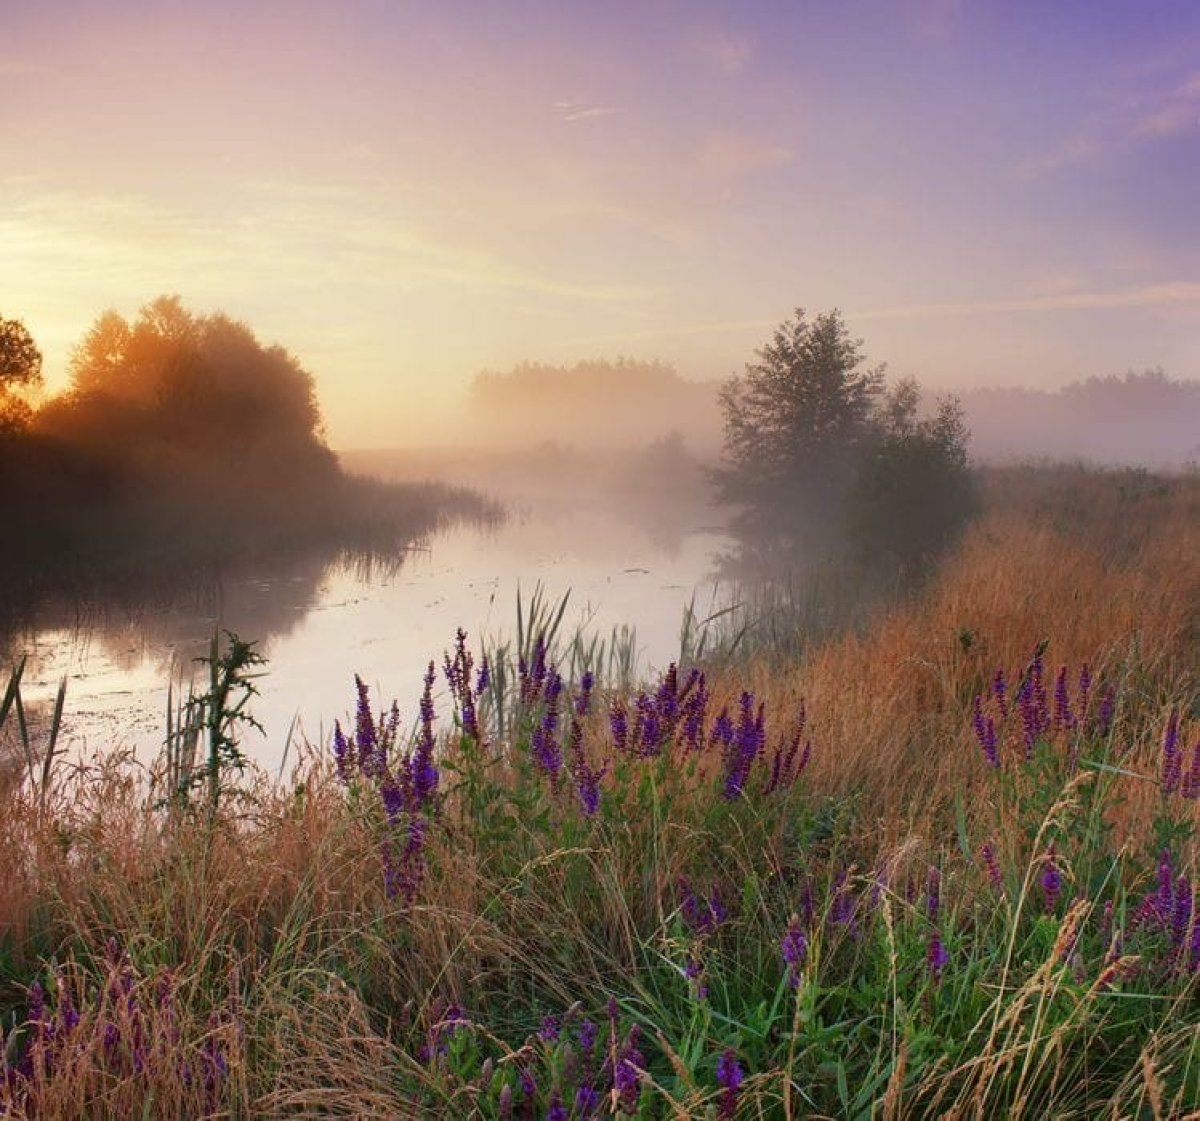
(883, 924)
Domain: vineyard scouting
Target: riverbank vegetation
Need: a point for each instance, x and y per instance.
(183, 446)
(942, 864)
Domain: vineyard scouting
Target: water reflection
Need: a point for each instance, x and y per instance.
(320, 621)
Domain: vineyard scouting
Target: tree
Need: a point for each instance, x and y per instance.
(914, 491)
(20, 373)
(822, 460)
(201, 382)
(796, 425)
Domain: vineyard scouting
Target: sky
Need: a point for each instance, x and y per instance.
(404, 194)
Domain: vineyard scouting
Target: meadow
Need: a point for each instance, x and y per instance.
(942, 862)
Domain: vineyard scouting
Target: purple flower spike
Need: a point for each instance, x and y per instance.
(587, 1100)
(557, 1111)
(583, 701)
(1051, 881)
(1000, 691)
(1191, 781)
(729, 1078)
(1172, 757)
(987, 855)
(936, 957)
(1108, 708)
(1063, 716)
(794, 948)
(985, 733)
(618, 720)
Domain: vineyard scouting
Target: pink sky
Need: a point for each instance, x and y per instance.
(403, 194)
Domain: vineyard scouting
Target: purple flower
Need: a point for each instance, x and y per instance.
(1000, 691)
(625, 1082)
(483, 678)
(794, 947)
(528, 1082)
(701, 915)
(1051, 881)
(557, 1111)
(342, 753)
(544, 744)
(985, 733)
(618, 721)
(987, 855)
(666, 698)
(746, 746)
(366, 737)
(587, 784)
(586, 1034)
(722, 730)
(1172, 757)
(504, 1103)
(587, 1100)
(549, 1031)
(936, 956)
(729, 1078)
(1063, 716)
(1191, 781)
(1108, 708)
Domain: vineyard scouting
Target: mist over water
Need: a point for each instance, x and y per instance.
(320, 624)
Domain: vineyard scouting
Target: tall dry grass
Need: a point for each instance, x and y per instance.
(251, 963)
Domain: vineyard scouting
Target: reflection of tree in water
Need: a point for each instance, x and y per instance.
(174, 619)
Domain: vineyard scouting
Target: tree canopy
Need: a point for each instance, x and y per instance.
(795, 425)
(821, 458)
(188, 395)
(20, 372)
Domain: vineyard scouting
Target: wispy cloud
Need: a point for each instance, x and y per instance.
(1174, 295)
(314, 235)
(1132, 117)
(582, 111)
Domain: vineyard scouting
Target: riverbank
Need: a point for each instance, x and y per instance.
(945, 863)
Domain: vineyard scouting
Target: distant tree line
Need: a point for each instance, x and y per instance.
(624, 403)
(1141, 417)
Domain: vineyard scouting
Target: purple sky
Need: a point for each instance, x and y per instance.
(403, 194)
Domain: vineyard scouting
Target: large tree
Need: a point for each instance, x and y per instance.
(20, 372)
(821, 459)
(199, 382)
(796, 425)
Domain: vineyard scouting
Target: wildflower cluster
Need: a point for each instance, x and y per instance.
(116, 1028)
(1010, 723)
(406, 782)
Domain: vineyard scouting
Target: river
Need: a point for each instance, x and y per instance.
(318, 624)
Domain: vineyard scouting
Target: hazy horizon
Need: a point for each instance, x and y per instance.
(406, 195)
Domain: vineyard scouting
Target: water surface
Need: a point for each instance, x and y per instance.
(318, 624)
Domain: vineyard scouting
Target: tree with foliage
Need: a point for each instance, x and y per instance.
(914, 491)
(20, 373)
(189, 394)
(797, 423)
(821, 459)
